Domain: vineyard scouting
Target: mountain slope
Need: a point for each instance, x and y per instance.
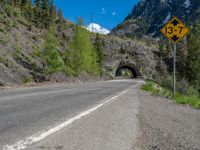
(27, 49)
(148, 16)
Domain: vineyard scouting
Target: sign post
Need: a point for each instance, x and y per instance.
(175, 30)
(174, 68)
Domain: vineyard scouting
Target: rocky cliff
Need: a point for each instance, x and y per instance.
(141, 56)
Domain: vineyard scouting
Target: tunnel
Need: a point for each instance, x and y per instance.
(126, 71)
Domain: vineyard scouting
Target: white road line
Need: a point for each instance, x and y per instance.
(42, 135)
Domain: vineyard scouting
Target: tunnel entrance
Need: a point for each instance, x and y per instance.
(126, 72)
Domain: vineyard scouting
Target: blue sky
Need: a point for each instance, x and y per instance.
(107, 13)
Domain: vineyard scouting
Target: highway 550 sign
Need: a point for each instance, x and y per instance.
(175, 30)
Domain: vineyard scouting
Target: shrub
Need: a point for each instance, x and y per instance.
(4, 39)
(3, 30)
(9, 10)
(166, 81)
(153, 87)
(26, 79)
(34, 37)
(18, 50)
(4, 60)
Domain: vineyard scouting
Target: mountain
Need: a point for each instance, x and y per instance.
(148, 16)
(96, 28)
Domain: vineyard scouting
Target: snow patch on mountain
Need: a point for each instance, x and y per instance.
(96, 28)
(187, 4)
(167, 18)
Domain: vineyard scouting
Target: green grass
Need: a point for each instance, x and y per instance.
(156, 89)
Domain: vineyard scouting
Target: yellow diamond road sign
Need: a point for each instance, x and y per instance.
(175, 30)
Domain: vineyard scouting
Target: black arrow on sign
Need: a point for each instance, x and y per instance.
(175, 38)
(175, 22)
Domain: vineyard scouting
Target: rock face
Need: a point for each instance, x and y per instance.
(148, 16)
(131, 54)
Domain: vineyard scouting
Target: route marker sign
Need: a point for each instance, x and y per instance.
(175, 30)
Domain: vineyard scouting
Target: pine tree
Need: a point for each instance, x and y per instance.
(97, 46)
(60, 20)
(50, 54)
(24, 3)
(38, 12)
(83, 54)
(38, 3)
(52, 12)
(16, 3)
(29, 13)
(194, 56)
(45, 16)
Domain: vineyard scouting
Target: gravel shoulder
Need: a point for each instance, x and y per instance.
(166, 125)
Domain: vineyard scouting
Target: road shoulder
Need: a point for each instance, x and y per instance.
(166, 125)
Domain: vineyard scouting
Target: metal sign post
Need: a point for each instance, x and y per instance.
(175, 30)
(174, 70)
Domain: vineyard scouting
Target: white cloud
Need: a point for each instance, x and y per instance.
(114, 13)
(103, 11)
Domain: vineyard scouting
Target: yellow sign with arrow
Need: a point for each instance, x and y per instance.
(175, 30)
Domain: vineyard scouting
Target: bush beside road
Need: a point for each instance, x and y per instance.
(156, 89)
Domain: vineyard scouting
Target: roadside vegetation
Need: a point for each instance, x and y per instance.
(48, 52)
(82, 56)
(188, 70)
(53, 51)
(191, 97)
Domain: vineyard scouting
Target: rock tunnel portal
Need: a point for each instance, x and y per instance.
(127, 71)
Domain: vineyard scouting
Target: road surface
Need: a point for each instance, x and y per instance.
(29, 116)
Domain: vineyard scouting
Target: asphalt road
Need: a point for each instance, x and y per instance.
(25, 112)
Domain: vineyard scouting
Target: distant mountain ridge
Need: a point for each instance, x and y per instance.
(148, 16)
(96, 28)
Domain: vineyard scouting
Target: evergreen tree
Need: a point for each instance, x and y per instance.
(52, 12)
(45, 16)
(38, 12)
(83, 54)
(27, 9)
(97, 46)
(60, 20)
(24, 3)
(30, 14)
(194, 56)
(16, 3)
(42, 13)
(50, 54)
